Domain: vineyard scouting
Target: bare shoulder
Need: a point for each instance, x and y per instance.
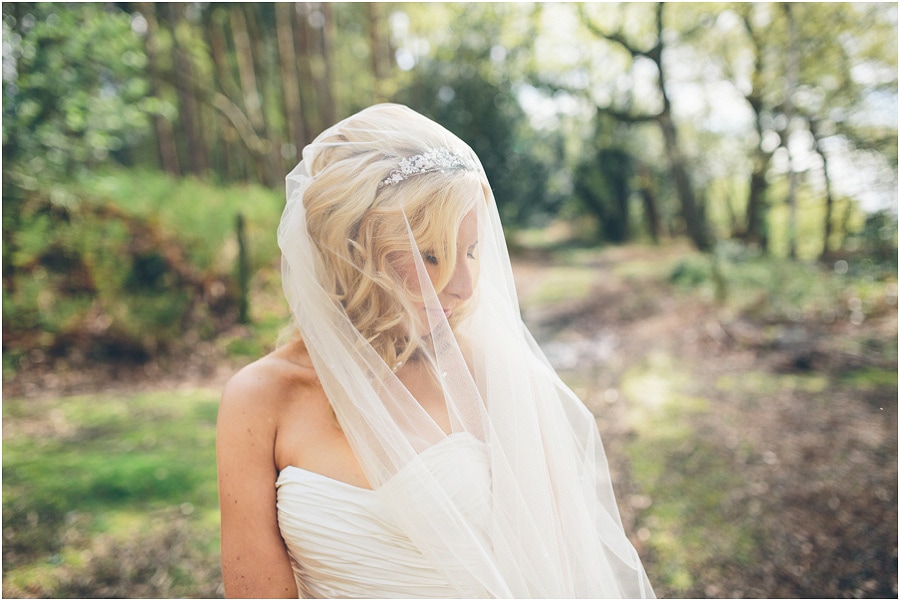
(264, 391)
(267, 383)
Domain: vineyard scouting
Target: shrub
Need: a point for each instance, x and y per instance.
(126, 264)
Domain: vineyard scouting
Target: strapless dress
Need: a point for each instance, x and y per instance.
(342, 542)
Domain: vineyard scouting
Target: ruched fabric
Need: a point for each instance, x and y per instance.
(343, 542)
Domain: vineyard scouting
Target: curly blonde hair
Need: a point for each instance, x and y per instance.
(359, 228)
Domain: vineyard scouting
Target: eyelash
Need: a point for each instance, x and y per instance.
(431, 259)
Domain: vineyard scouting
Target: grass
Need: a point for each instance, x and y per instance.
(763, 383)
(870, 378)
(562, 283)
(685, 475)
(90, 478)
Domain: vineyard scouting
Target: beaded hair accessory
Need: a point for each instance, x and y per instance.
(436, 159)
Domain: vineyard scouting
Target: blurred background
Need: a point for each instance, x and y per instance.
(701, 205)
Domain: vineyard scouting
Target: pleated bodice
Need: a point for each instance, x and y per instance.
(343, 542)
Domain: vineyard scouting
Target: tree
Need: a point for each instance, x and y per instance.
(847, 67)
(806, 81)
(692, 211)
(602, 184)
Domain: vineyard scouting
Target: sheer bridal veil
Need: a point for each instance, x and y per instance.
(395, 265)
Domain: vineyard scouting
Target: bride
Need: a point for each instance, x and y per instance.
(411, 440)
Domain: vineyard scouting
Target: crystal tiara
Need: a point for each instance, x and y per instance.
(436, 159)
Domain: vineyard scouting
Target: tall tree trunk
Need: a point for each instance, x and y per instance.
(232, 166)
(189, 115)
(305, 49)
(165, 139)
(267, 80)
(846, 215)
(293, 107)
(265, 170)
(693, 213)
(792, 207)
(727, 198)
(793, 72)
(379, 49)
(215, 31)
(651, 213)
(755, 222)
(691, 210)
(829, 199)
(756, 231)
(246, 71)
(256, 35)
(327, 82)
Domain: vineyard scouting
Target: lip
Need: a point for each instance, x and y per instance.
(445, 312)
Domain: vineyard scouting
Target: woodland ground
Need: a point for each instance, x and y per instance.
(752, 455)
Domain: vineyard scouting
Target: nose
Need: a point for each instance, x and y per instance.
(462, 282)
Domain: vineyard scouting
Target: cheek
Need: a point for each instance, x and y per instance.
(408, 277)
(405, 267)
(406, 271)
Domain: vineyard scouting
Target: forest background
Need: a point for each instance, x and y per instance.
(701, 204)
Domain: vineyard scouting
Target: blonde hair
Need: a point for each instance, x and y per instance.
(360, 228)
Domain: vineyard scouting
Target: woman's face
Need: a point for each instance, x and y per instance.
(462, 281)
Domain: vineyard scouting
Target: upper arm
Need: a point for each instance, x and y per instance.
(255, 562)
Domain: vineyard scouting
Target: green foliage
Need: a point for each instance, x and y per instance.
(876, 242)
(167, 558)
(778, 289)
(74, 89)
(691, 272)
(467, 88)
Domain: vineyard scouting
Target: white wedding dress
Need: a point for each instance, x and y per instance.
(343, 542)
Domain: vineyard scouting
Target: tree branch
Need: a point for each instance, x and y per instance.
(609, 111)
(627, 117)
(618, 38)
(252, 141)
